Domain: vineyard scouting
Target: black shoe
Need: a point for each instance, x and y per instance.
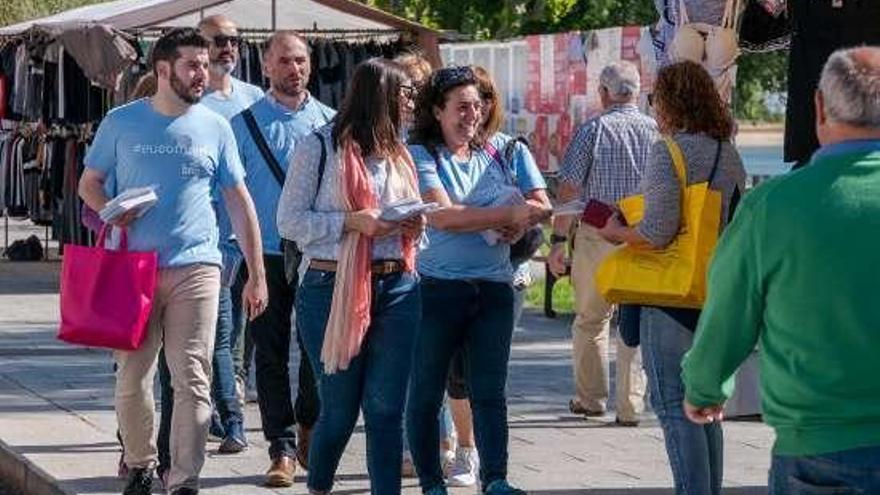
(139, 482)
(185, 491)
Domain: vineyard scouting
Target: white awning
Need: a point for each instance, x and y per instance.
(248, 14)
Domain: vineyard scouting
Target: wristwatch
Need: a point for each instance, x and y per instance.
(558, 239)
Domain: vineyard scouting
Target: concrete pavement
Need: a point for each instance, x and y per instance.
(57, 424)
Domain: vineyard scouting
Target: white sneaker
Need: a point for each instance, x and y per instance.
(465, 468)
(447, 460)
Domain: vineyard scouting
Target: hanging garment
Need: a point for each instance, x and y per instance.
(102, 52)
(715, 47)
(819, 27)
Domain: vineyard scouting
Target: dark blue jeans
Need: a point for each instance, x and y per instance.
(855, 471)
(374, 382)
(223, 385)
(476, 316)
(694, 451)
(271, 332)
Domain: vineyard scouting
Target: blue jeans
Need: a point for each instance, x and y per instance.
(223, 385)
(444, 424)
(855, 471)
(478, 317)
(375, 380)
(695, 451)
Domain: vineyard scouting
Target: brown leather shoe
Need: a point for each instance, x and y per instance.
(280, 473)
(576, 408)
(303, 439)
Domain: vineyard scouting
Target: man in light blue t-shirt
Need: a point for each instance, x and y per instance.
(285, 115)
(185, 151)
(226, 96)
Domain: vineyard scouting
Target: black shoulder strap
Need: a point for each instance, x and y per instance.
(260, 141)
(323, 163)
(715, 165)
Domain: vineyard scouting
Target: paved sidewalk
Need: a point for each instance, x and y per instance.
(56, 413)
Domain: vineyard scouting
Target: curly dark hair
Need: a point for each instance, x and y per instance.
(686, 100)
(426, 129)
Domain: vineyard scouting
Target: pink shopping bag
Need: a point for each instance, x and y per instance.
(106, 295)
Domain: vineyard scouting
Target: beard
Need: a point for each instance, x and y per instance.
(288, 88)
(183, 91)
(222, 68)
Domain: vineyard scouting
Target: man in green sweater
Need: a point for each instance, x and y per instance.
(797, 273)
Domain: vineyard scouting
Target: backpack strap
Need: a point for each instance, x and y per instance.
(322, 164)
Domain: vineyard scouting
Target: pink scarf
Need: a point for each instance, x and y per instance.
(352, 293)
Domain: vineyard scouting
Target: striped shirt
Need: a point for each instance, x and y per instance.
(607, 155)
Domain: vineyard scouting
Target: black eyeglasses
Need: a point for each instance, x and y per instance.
(408, 91)
(221, 39)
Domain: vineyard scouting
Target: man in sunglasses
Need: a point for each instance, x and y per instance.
(226, 94)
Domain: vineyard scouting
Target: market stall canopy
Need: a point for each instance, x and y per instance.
(300, 15)
(249, 14)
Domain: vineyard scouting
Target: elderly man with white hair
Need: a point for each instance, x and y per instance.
(796, 272)
(604, 162)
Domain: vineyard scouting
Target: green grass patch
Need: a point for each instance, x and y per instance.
(563, 295)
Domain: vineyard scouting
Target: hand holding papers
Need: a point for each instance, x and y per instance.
(135, 201)
(406, 208)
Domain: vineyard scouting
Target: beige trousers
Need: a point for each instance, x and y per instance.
(183, 319)
(590, 336)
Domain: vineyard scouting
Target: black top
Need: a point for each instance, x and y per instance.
(818, 29)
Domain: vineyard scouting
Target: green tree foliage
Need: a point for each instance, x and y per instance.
(759, 75)
(12, 11)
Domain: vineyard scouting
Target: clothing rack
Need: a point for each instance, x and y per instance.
(78, 127)
(80, 132)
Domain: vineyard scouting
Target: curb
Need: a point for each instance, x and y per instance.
(26, 477)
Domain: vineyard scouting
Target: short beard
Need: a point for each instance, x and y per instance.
(288, 90)
(222, 69)
(182, 91)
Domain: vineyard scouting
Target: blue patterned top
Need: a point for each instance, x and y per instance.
(608, 154)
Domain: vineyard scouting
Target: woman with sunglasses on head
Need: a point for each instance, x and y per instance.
(419, 71)
(466, 267)
(358, 305)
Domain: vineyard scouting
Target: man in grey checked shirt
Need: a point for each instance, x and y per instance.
(604, 161)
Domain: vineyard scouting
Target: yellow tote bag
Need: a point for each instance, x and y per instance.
(676, 275)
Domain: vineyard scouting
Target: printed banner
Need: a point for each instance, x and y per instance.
(549, 82)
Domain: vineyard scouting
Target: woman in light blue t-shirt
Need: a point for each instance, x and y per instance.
(467, 297)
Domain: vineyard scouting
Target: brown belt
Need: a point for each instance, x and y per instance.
(378, 267)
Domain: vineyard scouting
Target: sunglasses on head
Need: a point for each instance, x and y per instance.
(449, 77)
(221, 39)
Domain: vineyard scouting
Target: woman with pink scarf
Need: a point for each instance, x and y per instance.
(359, 304)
